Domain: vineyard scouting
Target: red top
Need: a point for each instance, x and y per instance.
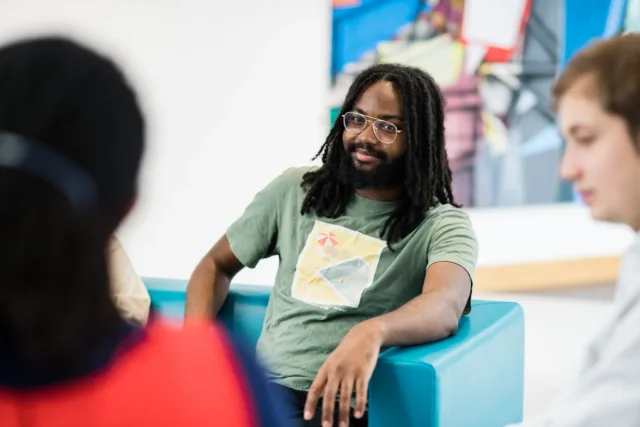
(187, 376)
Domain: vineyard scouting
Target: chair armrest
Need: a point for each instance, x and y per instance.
(474, 378)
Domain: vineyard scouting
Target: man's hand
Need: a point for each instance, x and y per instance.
(351, 364)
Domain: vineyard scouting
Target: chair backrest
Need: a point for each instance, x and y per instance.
(168, 296)
(242, 313)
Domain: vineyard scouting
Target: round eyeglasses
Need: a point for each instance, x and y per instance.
(355, 123)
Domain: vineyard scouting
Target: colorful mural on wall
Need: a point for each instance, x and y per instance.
(495, 61)
(632, 18)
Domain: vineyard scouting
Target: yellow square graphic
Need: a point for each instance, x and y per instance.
(335, 266)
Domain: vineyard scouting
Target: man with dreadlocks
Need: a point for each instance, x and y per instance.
(373, 250)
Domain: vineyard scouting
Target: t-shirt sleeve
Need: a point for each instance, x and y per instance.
(454, 240)
(254, 235)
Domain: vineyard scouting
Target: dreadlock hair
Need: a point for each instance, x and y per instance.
(428, 175)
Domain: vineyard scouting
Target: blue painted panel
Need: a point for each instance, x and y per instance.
(586, 20)
(358, 30)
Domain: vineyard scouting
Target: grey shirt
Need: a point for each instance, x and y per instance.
(607, 389)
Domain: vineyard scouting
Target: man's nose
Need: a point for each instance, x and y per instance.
(368, 135)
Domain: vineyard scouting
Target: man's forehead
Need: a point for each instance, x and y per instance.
(379, 115)
(381, 92)
(379, 99)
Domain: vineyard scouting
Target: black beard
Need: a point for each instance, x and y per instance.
(387, 174)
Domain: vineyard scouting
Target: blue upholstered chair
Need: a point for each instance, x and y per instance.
(473, 379)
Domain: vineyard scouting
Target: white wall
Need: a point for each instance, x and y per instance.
(235, 92)
(544, 233)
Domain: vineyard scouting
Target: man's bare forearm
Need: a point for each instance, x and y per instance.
(432, 315)
(208, 288)
(424, 319)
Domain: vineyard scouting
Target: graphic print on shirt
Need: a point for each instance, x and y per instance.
(335, 266)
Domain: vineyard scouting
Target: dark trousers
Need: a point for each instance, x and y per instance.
(296, 400)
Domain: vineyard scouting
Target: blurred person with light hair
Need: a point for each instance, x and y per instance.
(597, 98)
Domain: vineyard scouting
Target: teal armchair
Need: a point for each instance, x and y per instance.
(474, 378)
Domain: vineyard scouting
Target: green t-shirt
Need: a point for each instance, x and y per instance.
(335, 273)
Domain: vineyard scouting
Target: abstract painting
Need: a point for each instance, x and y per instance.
(495, 61)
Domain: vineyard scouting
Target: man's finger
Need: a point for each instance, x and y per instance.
(346, 391)
(315, 391)
(329, 400)
(362, 390)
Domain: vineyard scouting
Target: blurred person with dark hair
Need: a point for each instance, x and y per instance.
(71, 142)
(598, 102)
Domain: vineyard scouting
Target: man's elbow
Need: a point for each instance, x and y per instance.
(447, 315)
(449, 325)
(449, 320)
